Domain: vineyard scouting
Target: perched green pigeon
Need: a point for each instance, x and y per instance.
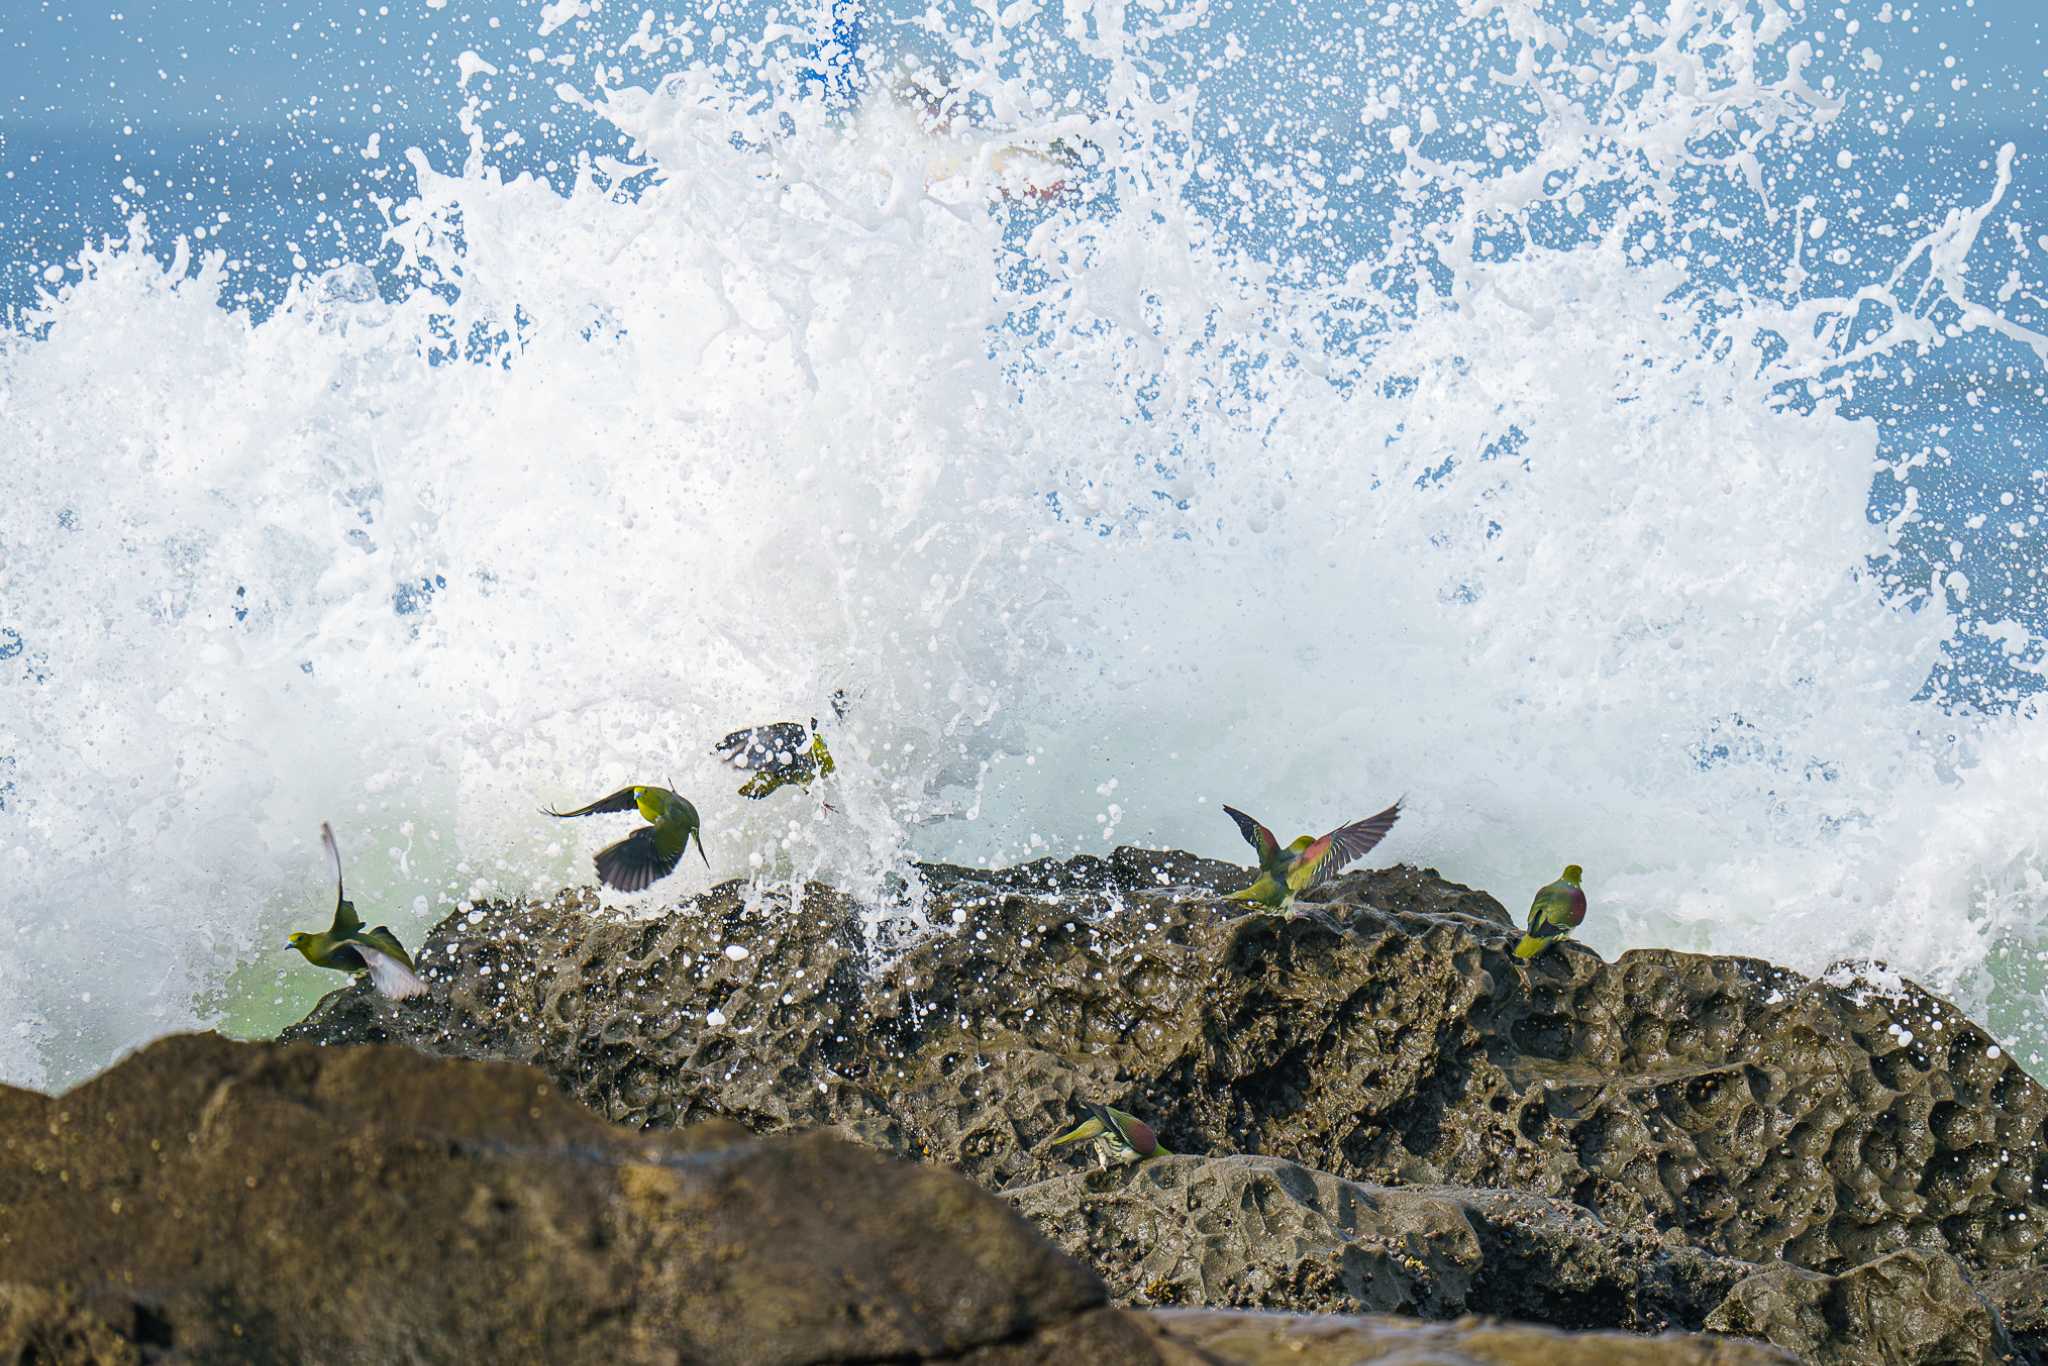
(780, 752)
(346, 946)
(652, 851)
(1286, 871)
(1555, 913)
(1118, 1137)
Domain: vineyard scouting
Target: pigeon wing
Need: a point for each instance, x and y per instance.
(1091, 1127)
(382, 938)
(1136, 1133)
(1256, 835)
(392, 977)
(1557, 908)
(1345, 845)
(346, 921)
(625, 799)
(760, 747)
(636, 862)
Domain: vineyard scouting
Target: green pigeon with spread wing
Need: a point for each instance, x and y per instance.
(345, 946)
(1555, 913)
(1286, 871)
(651, 852)
(780, 753)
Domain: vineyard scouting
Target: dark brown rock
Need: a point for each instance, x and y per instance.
(41, 1325)
(1717, 1105)
(1263, 1232)
(1906, 1306)
(213, 1201)
(2021, 1299)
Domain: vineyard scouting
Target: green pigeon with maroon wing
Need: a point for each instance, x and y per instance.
(1286, 871)
(1119, 1136)
(1557, 910)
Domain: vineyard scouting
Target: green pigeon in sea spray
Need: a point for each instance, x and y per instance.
(651, 852)
(779, 753)
(1119, 1137)
(1286, 871)
(1555, 913)
(345, 946)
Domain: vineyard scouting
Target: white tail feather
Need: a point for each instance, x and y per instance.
(391, 977)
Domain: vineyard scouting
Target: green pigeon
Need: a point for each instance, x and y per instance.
(346, 946)
(780, 752)
(1555, 913)
(652, 851)
(1119, 1137)
(1286, 871)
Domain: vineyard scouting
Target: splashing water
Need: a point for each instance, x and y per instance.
(1123, 445)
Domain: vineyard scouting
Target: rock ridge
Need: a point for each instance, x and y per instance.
(1715, 1117)
(206, 1201)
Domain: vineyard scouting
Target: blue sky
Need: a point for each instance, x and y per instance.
(205, 63)
(263, 108)
(199, 64)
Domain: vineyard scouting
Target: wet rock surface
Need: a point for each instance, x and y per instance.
(212, 1201)
(209, 1201)
(1712, 1116)
(1905, 1306)
(1257, 1231)
(1189, 1338)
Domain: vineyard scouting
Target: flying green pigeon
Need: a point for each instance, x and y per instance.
(1555, 913)
(1119, 1137)
(780, 752)
(347, 947)
(652, 851)
(1287, 871)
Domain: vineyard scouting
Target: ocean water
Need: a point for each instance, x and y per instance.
(1622, 429)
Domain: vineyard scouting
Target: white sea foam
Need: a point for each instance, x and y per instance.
(1539, 543)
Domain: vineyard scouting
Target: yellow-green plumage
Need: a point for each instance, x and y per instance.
(1118, 1135)
(345, 946)
(1557, 910)
(651, 852)
(780, 753)
(1269, 888)
(811, 763)
(1287, 871)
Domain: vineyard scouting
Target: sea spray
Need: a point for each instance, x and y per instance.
(1472, 458)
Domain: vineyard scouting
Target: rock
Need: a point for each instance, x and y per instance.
(1905, 1306)
(1717, 1106)
(1263, 1232)
(2021, 1299)
(222, 1202)
(1192, 1338)
(39, 1325)
(1127, 869)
